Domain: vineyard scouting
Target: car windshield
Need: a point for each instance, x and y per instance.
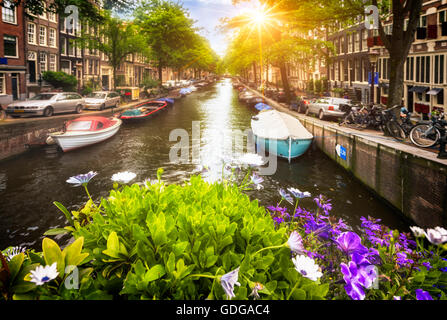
(79, 125)
(43, 96)
(97, 95)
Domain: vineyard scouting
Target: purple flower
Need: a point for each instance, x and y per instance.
(228, 281)
(299, 194)
(286, 196)
(278, 220)
(423, 295)
(350, 242)
(257, 180)
(81, 179)
(323, 204)
(359, 273)
(295, 243)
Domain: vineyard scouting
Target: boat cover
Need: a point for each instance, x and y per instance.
(263, 106)
(132, 113)
(277, 125)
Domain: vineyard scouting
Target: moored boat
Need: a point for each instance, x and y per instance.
(280, 134)
(85, 131)
(143, 111)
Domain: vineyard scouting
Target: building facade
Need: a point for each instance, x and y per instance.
(12, 54)
(41, 49)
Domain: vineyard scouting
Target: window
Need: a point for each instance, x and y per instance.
(423, 69)
(52, 38)
(422, 23)
(8, 12)
(31, 33)
(2, 83)
(42, 36)
(439, 69)
(10, 46)
(64, 46)
(43, 61)
(44, 11)
(52, 16)
(357, 42)
(440, 97)
(409, 72)
(53, 66)
(71, 48)
(442, 17)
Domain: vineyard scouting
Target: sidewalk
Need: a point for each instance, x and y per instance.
(373, 135)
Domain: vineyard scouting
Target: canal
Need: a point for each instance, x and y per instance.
(30, 183)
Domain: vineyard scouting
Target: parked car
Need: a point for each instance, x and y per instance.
(101, 100)
(300, 104)
(327, 107)
(281, 95)
(46, 104)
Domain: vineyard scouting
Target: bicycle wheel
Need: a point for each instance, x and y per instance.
(424, 135)
(396, 131)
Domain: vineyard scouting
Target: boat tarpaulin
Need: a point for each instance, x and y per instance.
(277, 125)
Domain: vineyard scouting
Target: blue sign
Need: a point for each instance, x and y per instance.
(3, 60)
(376, 78)
(341, 151)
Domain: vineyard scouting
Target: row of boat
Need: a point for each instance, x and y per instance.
(275, 132)
(88, 130)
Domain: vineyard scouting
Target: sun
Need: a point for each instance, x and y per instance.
(259, 16)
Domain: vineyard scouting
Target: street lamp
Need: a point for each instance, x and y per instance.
(373, 58)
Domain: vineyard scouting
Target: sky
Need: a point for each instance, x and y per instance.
(207, 13)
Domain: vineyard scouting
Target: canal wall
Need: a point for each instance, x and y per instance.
(19, 135)
(410, 179)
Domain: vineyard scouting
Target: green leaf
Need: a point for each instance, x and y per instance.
(72, 253)
(52, 253)
(15, 265)
(64, 210)
(56, 231)
(154, 273)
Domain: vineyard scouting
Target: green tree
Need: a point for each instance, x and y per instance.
(118, 40)
(168, 32)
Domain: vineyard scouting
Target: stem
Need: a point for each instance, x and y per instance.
(272, 247)
(290, 294)
(203, 276)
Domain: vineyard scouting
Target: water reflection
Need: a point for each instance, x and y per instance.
(29, 184)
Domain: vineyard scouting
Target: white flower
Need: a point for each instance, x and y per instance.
(307, 267)
(45, 274)
(295, 243)
(123, 177)
(228, 281)
(436, 236)
(12, 252)
(299, 194)
(418, 232)
(81, 179)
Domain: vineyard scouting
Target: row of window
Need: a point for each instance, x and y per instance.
(46, 36)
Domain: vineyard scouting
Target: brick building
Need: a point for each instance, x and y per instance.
(41, 49)
(12, 57)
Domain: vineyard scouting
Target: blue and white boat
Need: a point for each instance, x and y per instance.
(281, 134)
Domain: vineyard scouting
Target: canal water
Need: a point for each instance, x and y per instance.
(30, 183)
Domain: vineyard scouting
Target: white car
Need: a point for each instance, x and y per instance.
(327, 107)
(101, 100)
(46, 104)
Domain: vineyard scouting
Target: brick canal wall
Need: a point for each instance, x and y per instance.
(19, 135)
(410, 179)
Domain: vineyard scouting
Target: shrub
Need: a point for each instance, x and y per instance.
(59, 79)
(157, 241)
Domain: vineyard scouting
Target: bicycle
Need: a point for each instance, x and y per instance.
(399, 130)
(427, 135)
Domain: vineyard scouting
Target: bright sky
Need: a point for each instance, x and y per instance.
(208, 12)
